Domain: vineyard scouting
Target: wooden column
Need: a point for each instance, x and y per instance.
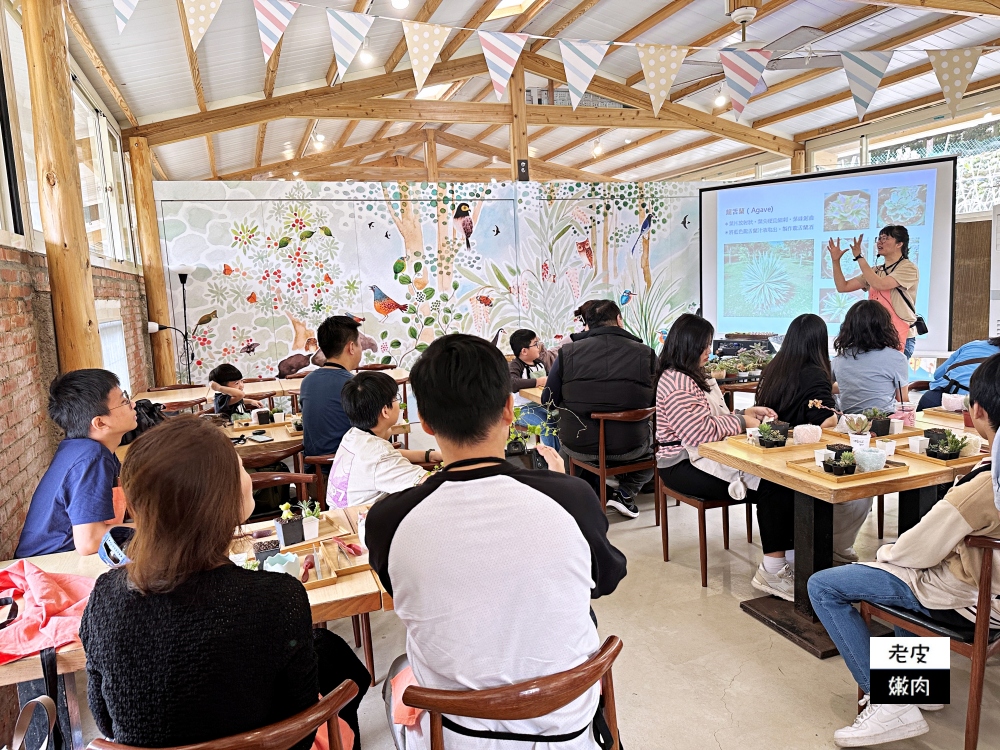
(799, 161)
(164, 359)
(431, 155)
(519, 119)
(78, 341)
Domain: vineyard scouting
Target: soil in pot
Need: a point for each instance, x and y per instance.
(781, 427)
(935, 434)
(265, 549)
(838, 449)
(880, 427)
(289, 530)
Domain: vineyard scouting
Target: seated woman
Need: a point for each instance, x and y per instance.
(796, 379)
(953, 376)
(182, 645)
(690, 411)
(870, 371)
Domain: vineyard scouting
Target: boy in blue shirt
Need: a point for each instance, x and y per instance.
(324, 422)
(227, 381)
(73, 504)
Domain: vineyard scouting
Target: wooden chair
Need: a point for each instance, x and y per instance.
(319, 462)
(264, 479)
(523, 700)
(374, 368)
(269, 458)
(977, 643)
(702, 505)
(258, 380)
(172, 408)
(175, 387)
(278, 736)
(602, 468)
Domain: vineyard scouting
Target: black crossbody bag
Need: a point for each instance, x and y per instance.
(920, 325)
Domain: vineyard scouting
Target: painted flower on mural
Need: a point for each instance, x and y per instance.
(244, 235)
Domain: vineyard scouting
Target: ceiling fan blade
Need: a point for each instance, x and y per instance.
(805, 63)
(795, 39)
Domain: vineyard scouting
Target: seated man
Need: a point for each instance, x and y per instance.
(368, 467)
(324, 422)
(929, 570)
(227, 382)
(528, 370)
(954, 373)
(491, 567)
(605, 368)
(73, 503)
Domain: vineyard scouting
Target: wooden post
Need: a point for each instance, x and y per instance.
(164, 359)
(431, 155)
(519, 119)
(78, 341)
(798, 161)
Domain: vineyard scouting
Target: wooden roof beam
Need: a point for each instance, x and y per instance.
(680, 172)
(366, 173)
(649, 23)
(459, 36)
(959, 7)
(199, 91)
(575, 143)
(564, 23)
(423, 16)
(270, 74)
(665, 155)
(639, 143)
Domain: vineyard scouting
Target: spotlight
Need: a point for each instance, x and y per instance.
(628, 141)
(320, 137)
(720, 100)
(366, 56)
(295, 174)
(598, 148)
(400, 4)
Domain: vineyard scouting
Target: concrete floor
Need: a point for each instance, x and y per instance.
(696, 672)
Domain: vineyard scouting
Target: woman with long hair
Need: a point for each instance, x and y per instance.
(690, 411)
(869, 370)
(182, 645)
(800, 375)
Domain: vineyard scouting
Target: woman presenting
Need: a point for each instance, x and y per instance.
(894, 283)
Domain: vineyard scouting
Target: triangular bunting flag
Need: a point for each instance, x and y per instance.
(660, 64)
(123, 12)
(864, 74)
(423, 41)
(348, 32)
(743, 69)
(581, 59)
(199, 15)
(954, 68)
(273, 17)
(501, 51)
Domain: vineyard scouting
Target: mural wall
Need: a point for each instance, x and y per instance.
(415, 261)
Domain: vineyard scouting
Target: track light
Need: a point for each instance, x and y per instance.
(720, 100)
(628, 141)
(366, 56)
(400, 4)
(320, 137)
(598, 148)
(295, 174)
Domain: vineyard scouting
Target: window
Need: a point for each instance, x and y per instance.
(112, 330)
(19, 71)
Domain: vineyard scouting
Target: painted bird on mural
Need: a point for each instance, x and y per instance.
(586, 252)
(463, 220)
(384, 304)
(662, 335)
(685, 222)
(496, 336)
(626, 297)
(643, 231)
(398, 267)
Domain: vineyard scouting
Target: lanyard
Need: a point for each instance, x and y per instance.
(473, 462)
(334, 364)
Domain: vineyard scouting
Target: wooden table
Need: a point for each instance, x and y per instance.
(532, 394)
(815, 497)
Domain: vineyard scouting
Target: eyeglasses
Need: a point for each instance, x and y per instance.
(126, 401)
(535, 343)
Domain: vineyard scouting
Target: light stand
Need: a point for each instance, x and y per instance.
(187, 353)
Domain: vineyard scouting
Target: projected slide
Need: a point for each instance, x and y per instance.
(764, 251)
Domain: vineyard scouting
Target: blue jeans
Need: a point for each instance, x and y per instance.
(535, 414)
(909, 346)
(832, 591)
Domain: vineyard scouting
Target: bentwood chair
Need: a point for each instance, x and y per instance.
(977, 642)
(264, 458)
(604, 468)
(524, 700)
(278, 736)
(319, 462)
(176, 387)
(264, 479)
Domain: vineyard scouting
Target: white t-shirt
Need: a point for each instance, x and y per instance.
(366, 469)
(534, 371)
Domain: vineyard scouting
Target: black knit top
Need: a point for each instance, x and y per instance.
(228, 651)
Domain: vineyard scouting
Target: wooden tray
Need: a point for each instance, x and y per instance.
(351, 511)
(960, 461)
(808, 465)
(327, 574)
(743, 442)
(908, 432)
(939, 411)
(340, 562)
(331, 523)
(292, 431)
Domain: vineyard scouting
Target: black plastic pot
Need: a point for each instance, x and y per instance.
(289, 531)
(781, 427)
(935, 434)
(265, 549)
(848, 470)
(828, 466)
(880, 427)
(839, 449)
(948, 456)
(838, 470)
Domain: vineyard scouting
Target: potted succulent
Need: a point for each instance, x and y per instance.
(289, 526)
(742, 372)
(715, 369)
(768, 437)
(781, 427)
(846, 463)
(265, 549)
(839, 449)
(297, 424)
(858, 426)
(948, 449)
(879, 419)
(310, 520)
(278, 415)
(731, 370)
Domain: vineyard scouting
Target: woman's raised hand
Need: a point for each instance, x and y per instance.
(835, 250)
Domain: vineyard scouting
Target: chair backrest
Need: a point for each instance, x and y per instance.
(296, 376)
(919, 385)
(278, 736)
(182, 405)
(264, 479)
(522, 700)
(176, 387)
(632, 415)
(318, 462)
(258, 380)
(984, 603)
(267, 458)
(374, 367)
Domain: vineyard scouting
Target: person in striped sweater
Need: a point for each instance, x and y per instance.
(690, 411)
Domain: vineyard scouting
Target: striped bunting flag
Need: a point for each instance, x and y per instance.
(581, 59)
(199, 14)
(954, 68)
(348, 32)
(501, 51)
(864, 74)
(660, 64)
(273, 17)
(743, 69)
(123, 12)
(423, 41)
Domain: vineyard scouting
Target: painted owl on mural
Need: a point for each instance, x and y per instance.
(586, 252)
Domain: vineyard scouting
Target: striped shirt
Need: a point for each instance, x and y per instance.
(684, 414)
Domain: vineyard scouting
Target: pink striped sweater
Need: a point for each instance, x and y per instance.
(684, 414)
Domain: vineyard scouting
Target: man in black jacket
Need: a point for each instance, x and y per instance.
(605, 369)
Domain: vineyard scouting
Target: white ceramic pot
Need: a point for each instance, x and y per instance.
(821, 455)
(310, 528)
(919, 444)
(861, 441)
(286, 562)
(895, 426)
(278, 417)
(889, 446)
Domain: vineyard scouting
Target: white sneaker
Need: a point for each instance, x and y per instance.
(780, 584)
(930, 706)
(881, 722)
(845, 555)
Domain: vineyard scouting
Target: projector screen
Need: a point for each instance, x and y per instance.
(763, 245)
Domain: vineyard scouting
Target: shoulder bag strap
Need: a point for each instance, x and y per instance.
(905, 298)
(11, 613)
(51, 675)
(24, 721)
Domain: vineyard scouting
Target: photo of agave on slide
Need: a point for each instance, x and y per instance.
(846, 211)
(902, 205)
(768, 279)
(833, 305)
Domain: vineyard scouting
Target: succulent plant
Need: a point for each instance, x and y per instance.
(954, 443)
(847, 211)
(874, 414)
(858, 424)
(847, 458)
(766, 282)
(766, 431)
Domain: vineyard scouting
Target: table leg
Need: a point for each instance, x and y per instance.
(67, 711)
(366, 637)
(914, 505)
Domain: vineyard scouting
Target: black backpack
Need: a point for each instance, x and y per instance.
(147, 416)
